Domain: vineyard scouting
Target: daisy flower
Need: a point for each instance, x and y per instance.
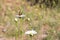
(20, 16)
(31, 32)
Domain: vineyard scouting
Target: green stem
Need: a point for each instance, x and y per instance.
(17, 34)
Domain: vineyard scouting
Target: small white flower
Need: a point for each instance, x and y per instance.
(20, 16)
(28, 19)
(31, 32)
(16, 19)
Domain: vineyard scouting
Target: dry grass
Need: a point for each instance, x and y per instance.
(44, 21)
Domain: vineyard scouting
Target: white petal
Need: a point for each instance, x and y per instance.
(31, 32)
(34, 32)
(20, 16)
(16, 19)
(28, 19)
(28, 32)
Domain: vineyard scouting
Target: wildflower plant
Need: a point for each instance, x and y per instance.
(17, 30)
